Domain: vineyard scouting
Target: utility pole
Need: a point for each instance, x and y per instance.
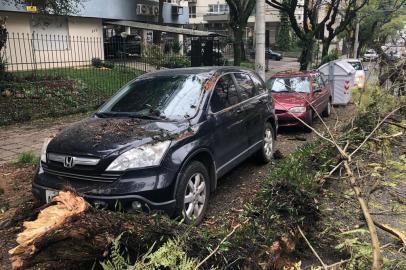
(356, 44)
(260, 38)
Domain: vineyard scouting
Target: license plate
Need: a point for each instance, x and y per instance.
(49, 194)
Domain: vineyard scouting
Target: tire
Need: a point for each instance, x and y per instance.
(189, 188)
(310, 121)
(327, 110)
(265, 154)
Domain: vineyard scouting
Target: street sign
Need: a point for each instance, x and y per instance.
(32, 9)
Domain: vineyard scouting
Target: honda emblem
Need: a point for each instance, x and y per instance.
(69, 162)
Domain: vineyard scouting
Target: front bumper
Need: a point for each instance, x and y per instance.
(286, 119)
(152, 189)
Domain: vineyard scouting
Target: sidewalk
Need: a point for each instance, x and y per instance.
(27, 137)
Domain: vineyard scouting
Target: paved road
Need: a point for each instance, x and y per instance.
(285, 64)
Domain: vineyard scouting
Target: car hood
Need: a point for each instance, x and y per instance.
(285, 100)
(101, 137)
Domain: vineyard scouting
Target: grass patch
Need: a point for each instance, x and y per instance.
(56, 92)
(27, 158)
(248, 65)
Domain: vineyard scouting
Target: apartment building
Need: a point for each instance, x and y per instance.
(213, 15)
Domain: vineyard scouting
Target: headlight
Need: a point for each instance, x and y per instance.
(297, 109)
(44, 150)
(143, 156)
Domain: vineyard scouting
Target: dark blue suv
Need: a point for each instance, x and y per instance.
(162, 141)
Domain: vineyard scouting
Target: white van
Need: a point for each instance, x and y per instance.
(360, 75)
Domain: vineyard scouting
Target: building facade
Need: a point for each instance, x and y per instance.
(213, 15)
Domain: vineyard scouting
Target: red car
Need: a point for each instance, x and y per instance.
(299, 94)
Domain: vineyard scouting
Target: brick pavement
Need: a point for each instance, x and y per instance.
(28, 137)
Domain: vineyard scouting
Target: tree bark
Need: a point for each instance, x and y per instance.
(237, 44)
(326, 46)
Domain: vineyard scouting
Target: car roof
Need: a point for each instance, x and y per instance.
(195, 70)
(286, 74)
(352, 60)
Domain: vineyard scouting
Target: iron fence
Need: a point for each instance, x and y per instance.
(53, 75)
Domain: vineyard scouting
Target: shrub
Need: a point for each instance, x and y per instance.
(176, 61)
(152, 55)
(27, 158)
(176, 47)
(170, 255)
(108, 64)
(331, 56)
(97, 62)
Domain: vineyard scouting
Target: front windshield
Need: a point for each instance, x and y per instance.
(171, 97)
(292, 84)
(356, 65)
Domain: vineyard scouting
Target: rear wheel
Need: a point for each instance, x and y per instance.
(310, 121)
(264, 155)
(327, 110)
(192, 195)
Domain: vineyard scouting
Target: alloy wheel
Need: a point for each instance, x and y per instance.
(268, 145)
(195, 196)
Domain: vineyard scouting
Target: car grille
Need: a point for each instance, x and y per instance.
(105, 177)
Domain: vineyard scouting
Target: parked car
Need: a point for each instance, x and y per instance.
(163, 141)
(370, 55)
(269, 54)
(301, 95)
(123, 45)
(360, 75)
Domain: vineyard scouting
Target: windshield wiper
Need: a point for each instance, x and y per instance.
(105, 114)
(146, 116)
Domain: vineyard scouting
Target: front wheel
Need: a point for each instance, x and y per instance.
(327, 110)
(192, 195)
(264, 155)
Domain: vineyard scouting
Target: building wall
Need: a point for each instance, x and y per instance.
(32, 45)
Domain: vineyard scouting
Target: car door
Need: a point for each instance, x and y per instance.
(317, 94)
(253, 105)
(229, 140)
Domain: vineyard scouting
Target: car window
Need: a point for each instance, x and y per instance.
(224, 94)
(258, 84)
(356, 65)
(289, 84)
(172, 97)
(316, 83)
(246, 86)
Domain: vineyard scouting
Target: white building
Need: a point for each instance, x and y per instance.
(213, 15)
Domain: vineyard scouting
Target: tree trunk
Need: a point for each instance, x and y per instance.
(77, 235)
(326, 46)
(307, 52)
(237, 44)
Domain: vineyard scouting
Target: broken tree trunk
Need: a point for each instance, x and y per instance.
(70, 234)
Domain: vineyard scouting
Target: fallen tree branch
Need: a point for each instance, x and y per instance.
(393, 231)
(219, 245)
(395, 124)
(376, 251)
(312, 249)
(373, 131)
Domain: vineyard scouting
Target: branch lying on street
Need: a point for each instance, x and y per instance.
(394, 231)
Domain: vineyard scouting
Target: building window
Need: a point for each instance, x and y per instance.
(219, 9)
(192, 11)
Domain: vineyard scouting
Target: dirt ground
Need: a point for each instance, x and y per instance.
(235, 190)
